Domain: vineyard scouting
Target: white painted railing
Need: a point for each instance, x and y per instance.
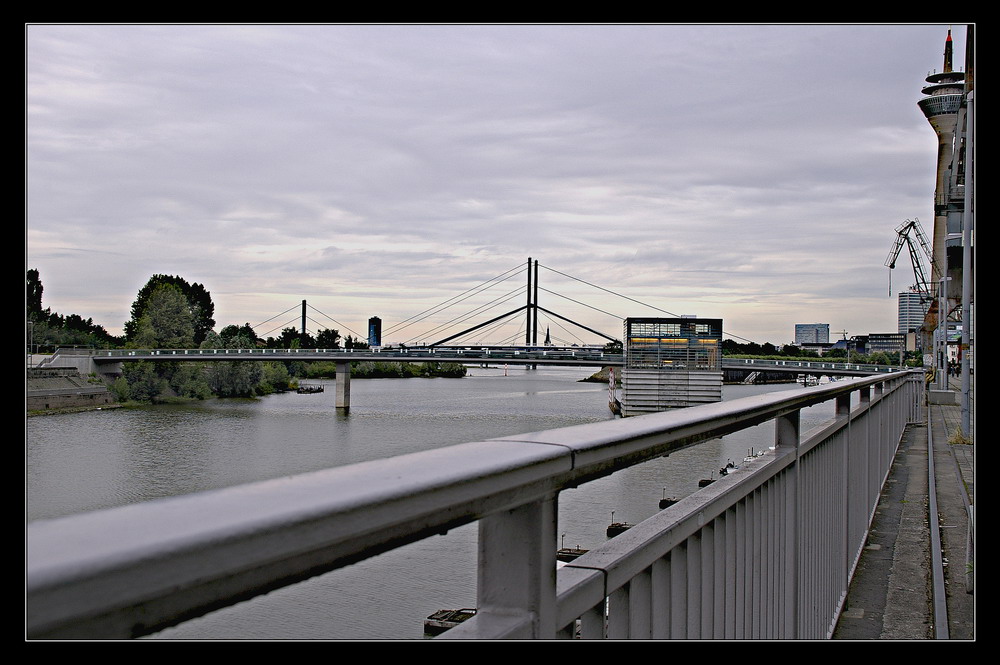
(766, 552)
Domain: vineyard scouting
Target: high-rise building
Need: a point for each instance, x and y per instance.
(912, 308)
(374, 331)
(812, 333)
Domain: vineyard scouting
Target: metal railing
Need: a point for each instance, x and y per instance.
(507, 354)
(766, 552)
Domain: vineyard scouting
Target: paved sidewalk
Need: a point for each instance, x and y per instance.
(891, 594)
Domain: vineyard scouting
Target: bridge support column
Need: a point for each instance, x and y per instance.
(343, 386)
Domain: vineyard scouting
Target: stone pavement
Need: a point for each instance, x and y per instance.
(891, 595)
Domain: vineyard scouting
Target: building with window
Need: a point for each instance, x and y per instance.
(671, 363)
(912, 308)
(812, 333)
(374, 332)
(886, 342)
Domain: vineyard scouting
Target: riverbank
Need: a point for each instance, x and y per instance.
(71, 409)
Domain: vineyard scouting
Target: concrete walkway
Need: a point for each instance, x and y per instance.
(892, 593)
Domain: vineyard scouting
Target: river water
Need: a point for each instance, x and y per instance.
(98, 459)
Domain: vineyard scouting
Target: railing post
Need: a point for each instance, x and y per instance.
(787, 430)
(517, 569)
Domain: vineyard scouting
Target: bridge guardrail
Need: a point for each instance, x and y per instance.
(459, 354)
(788, 530)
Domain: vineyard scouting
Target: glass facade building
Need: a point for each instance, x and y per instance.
(671, 363)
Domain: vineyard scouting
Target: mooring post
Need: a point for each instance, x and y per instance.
(343, 380)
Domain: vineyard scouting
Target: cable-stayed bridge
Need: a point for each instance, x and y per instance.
(449, 340)
(513, 316)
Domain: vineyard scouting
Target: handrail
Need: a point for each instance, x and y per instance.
(132, 570)
(459, 354)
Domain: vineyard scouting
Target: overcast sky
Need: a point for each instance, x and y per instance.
(753, 173)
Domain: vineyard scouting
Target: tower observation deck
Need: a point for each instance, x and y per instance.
(945, 93)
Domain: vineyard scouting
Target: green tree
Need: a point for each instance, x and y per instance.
(144, 383)
(351, 343)
(166, 321)
(199, 302)
(234, 379)
(238, 337)
(328, 338)
(33, 295)
(188, 380)
(274, 377)
(291, 339)
(50, 330)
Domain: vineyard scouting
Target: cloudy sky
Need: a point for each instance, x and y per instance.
(753, 173)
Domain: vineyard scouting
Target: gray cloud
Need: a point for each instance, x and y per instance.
(753, 173)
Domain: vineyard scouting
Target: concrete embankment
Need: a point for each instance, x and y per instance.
(63, 388)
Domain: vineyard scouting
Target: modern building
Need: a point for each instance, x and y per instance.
(912, 308)
(886, 342)
(671, 363)
(374, 332)
(812, 333)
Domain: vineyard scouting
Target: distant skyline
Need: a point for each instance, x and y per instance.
(753, 173)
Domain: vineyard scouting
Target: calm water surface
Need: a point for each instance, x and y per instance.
(98, 459)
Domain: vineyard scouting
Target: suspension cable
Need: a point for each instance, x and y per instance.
(542, 288)
(628, 298)
(275, 316)
(335, 321)
(477, 310)
(441, 306)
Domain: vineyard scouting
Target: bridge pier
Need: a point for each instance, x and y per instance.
(343, 390)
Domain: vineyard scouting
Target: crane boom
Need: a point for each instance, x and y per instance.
(903, 238)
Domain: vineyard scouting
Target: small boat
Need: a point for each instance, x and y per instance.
(618, 528)
(309, 390)
(442, 620)
(567, 554)
(666, 502)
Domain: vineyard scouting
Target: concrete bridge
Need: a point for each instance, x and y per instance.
(108, 362)
(767, 552)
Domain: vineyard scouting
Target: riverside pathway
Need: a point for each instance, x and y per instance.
(891, 596)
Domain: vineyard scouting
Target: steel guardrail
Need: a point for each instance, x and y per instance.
(132, 570)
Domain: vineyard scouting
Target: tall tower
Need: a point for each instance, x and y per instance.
(941, 108)
(912, 308)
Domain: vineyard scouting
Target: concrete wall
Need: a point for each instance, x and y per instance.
(63, 388)
(68, 401)
(650, 390)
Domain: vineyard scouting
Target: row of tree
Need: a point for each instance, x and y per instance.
(171, 313)
(731, 347)
(48, 330)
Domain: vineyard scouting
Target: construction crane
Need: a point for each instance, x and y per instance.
(903, 232)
